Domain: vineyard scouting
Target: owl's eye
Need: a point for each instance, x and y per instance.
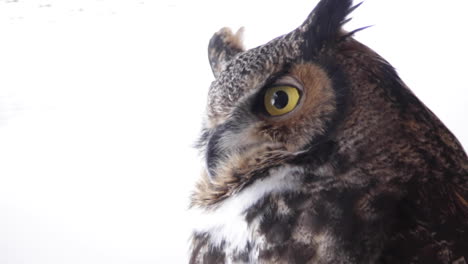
(280, 100)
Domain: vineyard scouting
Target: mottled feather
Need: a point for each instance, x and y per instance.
(360, 171)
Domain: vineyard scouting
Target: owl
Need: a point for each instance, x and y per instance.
(315, 151)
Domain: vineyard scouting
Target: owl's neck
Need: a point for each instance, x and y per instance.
(231, 225)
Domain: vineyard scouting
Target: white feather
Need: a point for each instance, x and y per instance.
(227, 222)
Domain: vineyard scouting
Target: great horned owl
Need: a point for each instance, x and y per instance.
(317, 152)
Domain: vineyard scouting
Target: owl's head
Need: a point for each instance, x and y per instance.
(298, 99)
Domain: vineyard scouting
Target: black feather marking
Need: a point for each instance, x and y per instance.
(354, 7)
(202, 141)
(323, 25)
(350, 34)
(346, 21)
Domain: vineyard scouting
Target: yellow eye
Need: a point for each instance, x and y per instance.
(280, 100)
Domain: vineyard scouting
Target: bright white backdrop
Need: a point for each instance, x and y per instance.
(101, 100)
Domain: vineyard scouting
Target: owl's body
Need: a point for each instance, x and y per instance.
(316, 152)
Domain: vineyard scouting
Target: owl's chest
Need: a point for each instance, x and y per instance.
(269, 220)
(273, 230)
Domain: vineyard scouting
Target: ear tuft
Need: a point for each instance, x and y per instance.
(224, 45)
(323, 26)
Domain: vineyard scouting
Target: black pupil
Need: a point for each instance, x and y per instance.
(280, 99)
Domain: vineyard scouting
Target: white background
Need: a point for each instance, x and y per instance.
(101, 101)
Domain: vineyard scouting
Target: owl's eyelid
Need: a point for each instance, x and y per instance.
(288, 80)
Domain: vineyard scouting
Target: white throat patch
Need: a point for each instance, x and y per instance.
(227, 222)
